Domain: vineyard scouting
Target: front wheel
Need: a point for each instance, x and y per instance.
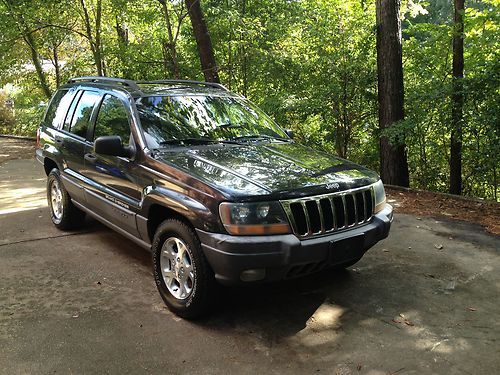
(182, 274)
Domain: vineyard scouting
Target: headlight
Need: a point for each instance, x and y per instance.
(378, 189)
(254, 218)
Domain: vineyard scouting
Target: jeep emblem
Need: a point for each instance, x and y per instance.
(333, 185)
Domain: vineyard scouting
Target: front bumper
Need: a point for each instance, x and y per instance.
(285, 256)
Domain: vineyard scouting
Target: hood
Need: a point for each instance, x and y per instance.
(283, 169)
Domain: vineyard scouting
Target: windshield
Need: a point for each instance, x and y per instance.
(167, 119)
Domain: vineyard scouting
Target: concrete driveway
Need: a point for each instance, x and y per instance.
(426, 300)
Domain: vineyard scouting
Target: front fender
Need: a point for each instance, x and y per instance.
(198, 214)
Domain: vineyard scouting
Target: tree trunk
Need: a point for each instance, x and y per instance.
(57, 68)
(98, 43)
(203, 41)
(123, 45)
(169, 48)
(30, 42)
(457, 100)
(244, 64)
(393, 161)
(37, 63)
(95, 42)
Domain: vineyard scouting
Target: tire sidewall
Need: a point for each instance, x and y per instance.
(174, 228)
(54, 176)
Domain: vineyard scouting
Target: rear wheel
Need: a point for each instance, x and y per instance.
(182, 274)
(63, 212)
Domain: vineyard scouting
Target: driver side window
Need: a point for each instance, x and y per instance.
(112, 119)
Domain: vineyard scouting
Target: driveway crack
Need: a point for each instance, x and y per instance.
(42, 238)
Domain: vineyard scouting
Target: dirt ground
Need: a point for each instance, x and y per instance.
(13, 149)
(426, 203)
(423, 301)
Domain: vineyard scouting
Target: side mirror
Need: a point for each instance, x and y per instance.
(112, 145)
(289, 132)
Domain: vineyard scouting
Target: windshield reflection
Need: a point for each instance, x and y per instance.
(167, 118)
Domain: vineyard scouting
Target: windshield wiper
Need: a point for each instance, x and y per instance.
(195, 141)
(188, 141)
(259, 137)
(230, 125)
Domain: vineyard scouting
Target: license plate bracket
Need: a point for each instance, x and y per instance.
(346, 249)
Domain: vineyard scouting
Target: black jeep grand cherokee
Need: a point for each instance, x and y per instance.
(207, 181)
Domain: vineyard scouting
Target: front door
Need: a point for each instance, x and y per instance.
(113, 192)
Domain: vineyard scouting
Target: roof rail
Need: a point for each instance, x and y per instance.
(211, 84)
(125, 82)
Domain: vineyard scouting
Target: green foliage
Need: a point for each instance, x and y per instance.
(310, 64)
(6, 112)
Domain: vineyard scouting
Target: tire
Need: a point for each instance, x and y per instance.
(182, 274)
(63, 212)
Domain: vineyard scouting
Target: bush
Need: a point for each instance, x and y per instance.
(6, 114)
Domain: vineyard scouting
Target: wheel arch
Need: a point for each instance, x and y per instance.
(48, 165)
(161, 203)
(158, 213)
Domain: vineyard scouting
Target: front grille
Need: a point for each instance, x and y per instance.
(327, 213)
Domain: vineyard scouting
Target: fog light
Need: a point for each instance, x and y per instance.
(253, 275)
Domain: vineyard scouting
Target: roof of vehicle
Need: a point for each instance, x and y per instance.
(148, 88)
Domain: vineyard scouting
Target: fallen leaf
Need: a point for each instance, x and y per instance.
(409, 323)
(438, 246)
(471, 309)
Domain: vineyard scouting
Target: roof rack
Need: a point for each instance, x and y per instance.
(183, 81)
(134, 84)
(125, 82)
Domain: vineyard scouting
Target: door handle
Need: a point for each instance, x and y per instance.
(59, 141)
(90, 158)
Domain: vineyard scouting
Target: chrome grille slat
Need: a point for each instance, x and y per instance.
(365, 209)
(335, 225)
(321, 216)
(355, 212)
(308, 220)
(344, 203)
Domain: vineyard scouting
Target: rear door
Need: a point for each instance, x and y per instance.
(72, 140)
(113, 192)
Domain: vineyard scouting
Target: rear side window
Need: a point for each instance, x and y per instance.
(58, 107)
(81, 117)
(69, 115)
(112, 119)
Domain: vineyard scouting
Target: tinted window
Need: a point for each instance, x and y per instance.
(112, 119)
(165, 118)
(58, 108)
(50, 115)
(82, 113)
(69, 114)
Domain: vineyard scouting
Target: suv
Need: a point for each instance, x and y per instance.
(205, 180)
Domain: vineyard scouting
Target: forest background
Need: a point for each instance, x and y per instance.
(310, 64)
